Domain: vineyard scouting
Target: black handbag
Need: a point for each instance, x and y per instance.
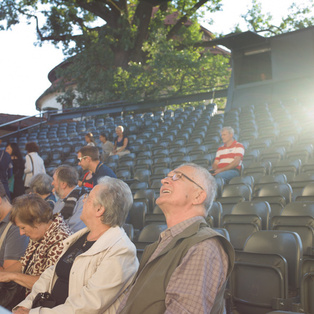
(44, 299)
(11, 294)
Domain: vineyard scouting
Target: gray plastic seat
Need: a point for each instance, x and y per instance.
(240, 227)
(215, 213)
(260, 209)
(285, 243)
(257, 281)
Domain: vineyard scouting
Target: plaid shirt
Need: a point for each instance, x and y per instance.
(195, 282)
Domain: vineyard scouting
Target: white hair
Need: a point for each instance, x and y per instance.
(227, 128)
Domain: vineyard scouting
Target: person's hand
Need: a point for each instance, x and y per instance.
(6, 276)
(21, 310)
(217, 171)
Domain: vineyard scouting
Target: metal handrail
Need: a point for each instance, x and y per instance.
(112, 107)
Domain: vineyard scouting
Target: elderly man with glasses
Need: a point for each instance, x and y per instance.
(187, 269)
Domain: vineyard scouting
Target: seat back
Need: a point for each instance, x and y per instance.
(235, 190)
(261, 209)
(302, 225)
(248, 180)
(275, 189)
(289, 167)
(147, 196)
(136, 215)
(299, 209)
(228, 203)
(129, 230)
(142, 175)
(240, 227)
(216, 212)
(224, 232)
(285, 243)
(151, 232)
(307, 286)
(308, 190)
(157, 216)
(257, 280)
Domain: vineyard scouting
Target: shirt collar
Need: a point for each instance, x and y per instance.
(6, 219)
(178, 228)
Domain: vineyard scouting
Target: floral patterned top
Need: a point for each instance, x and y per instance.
(42, 254)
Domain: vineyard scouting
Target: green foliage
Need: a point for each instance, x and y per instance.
(124, 50)
(299, 16)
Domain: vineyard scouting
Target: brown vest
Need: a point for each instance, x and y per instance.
(148, 294)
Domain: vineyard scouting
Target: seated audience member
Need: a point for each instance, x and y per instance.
(106, 146)
(98, 262)
(90, 140)
(14, 244)
(18, 169)
(46, 233)
(71, 196)
(187, 269)
(6, 170)
(88, 159)
(87, 180)
(34, 164)
(228, 161)
(121, 142)
(41, 184)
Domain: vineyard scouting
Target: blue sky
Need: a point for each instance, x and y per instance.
(25, 67)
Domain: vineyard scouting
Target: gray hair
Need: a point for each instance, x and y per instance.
(116, 197)
(208, 183)
(227, 128)
(41, 184)
(67, 174)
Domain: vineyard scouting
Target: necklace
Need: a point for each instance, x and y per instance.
(96, 238)
(84, 244)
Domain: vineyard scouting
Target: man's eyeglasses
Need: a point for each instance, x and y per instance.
(79, 159)
(179, 175)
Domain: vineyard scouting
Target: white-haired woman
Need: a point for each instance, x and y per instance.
(98, 262)
(121, 142)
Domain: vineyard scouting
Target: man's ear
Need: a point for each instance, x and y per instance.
(100, 211)
(200, 198)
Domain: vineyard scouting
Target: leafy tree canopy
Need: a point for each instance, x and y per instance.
(124, 49)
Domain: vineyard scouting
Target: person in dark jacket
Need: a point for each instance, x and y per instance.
(18, 169)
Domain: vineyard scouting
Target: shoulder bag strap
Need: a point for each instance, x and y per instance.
(2, 155)
(4, 233)
(32, 163)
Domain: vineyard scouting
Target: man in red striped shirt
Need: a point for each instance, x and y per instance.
(229, 157)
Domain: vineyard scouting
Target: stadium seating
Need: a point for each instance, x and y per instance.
(274, 191)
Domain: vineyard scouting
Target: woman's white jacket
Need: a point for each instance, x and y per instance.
(98, 276)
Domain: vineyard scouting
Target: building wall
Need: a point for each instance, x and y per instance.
(292, 71)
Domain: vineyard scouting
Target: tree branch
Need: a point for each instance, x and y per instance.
(174, 30)
(141, 19)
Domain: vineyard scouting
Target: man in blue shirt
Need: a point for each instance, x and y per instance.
(88, 159)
